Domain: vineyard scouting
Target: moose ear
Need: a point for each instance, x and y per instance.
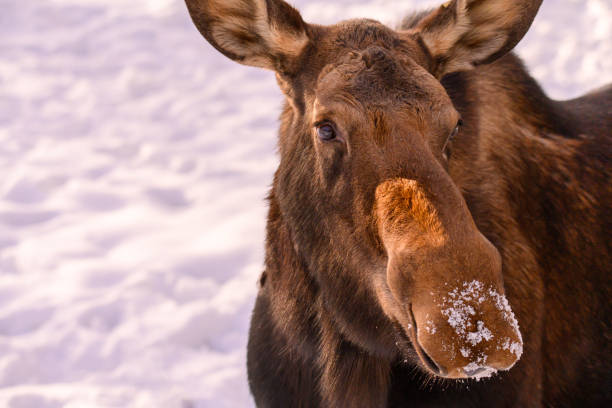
(262, 33)
(464, 33)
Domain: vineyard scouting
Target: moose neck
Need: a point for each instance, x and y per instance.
(322, 344)
(518, 167)
(515, 139)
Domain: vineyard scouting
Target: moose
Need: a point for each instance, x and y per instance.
(439, 230)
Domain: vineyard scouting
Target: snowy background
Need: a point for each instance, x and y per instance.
(134, 163)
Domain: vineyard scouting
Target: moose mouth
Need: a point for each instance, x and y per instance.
(427, 361)
(409, 345)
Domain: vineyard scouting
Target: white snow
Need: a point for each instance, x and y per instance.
(502, 305)
(458, 307)
(481, 333)
(484, 371)
(430, 327)
(480, 364)
(135, 160)
(515, 347)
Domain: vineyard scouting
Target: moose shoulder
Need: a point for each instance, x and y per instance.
(429, 199)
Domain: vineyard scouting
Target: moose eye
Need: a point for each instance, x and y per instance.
(455, 130)
(326, 132)
(446, 148)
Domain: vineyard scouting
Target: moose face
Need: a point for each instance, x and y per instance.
(379, 126)
(363, 186)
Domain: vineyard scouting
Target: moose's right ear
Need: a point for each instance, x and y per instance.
(262, 33)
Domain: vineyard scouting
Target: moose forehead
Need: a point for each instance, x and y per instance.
(373, 65)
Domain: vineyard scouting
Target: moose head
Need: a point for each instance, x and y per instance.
(363, 183)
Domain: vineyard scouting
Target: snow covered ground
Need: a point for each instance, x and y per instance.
(135, 161)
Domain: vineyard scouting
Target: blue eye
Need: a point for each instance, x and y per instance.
(326, 132)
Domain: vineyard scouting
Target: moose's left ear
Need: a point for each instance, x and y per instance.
(262, 33)
(465, 33)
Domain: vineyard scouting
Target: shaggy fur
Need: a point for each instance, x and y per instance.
(368, 231)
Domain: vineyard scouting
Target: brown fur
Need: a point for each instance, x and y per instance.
(369, 233)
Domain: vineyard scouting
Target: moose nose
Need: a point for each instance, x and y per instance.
(450, 277)
(468, 332)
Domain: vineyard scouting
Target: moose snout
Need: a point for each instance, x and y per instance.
(466, 330)
(446, 276)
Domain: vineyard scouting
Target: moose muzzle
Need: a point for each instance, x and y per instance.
(446, 282)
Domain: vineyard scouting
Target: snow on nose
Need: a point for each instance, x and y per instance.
(489, 338)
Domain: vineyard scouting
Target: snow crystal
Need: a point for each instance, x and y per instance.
(481, 333)
(485, 371)
(501, 303)
(479, 369)
(457, 309)
(430, 327)
(515, 347)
